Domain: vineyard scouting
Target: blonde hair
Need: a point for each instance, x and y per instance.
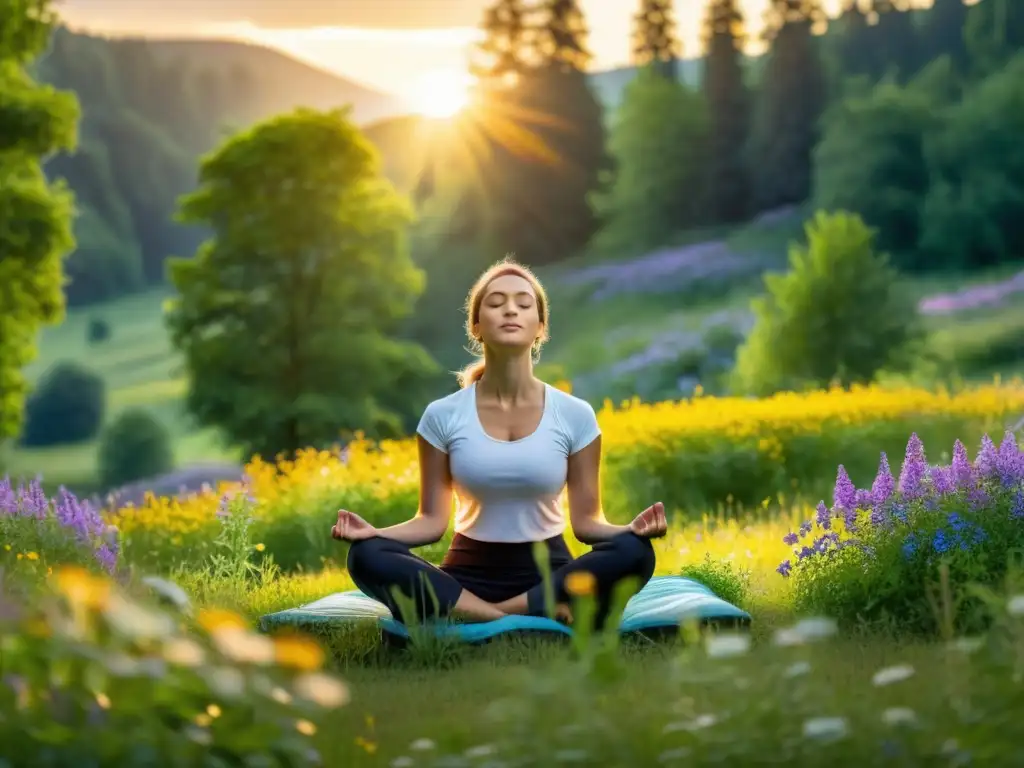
(507, 266)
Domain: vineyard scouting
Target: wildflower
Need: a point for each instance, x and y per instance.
(805, 528)
(305, 727)
(82, 588)
(1017, 509)
(1009, 461)
(962, 471)
(580, 583)
(884, 484)
(215, 619)
(891, 675)
(422, 745)
(260, 547)
(1015, 605)
(895, 716)
(322, 690)
(298, 653)
(910, 546)
(844, 494)
(914, 469)
(942, 480)
(825, 728)
(988, 458)
(822, 515)
(791, 538)
(785, 568)
(726, 645)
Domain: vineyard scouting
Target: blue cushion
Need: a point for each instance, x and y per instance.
(665, 601)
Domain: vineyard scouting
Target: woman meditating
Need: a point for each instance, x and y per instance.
(507, 445)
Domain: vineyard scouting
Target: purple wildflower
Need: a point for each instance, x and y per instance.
(823, 516)
(884, 483)
(790, 538)
(978, 498)
(785, 568)
(845, 494)
(963, 472)
(805, 527)
(1009, 461)
(8, 498)
(988, 458)
(863, 499)
(942, 480)
(1017, 509)
(805, 552)
(914, 468)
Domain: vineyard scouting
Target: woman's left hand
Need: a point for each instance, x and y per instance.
(650, 524)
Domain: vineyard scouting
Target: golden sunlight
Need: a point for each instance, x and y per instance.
(441, 93)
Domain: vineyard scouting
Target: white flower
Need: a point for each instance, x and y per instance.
(899, 716)
(323, 690)
(891, 675)
(825, 728)
(402, 762)
(483, 750)
(422, 745)
(183, 652)
(797, 668)
(1015, 605)
(724, 646)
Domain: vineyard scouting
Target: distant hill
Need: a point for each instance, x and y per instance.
(283, 82)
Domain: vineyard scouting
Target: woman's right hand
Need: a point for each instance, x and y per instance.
(351, 527)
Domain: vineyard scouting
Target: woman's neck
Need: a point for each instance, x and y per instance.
(509, 379)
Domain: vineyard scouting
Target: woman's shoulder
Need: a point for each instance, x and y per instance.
(449, 404)
(571, 409)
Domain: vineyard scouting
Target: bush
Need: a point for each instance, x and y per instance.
(67, 407)
(134, 446)
(837, 315)
(99, 330)
(874, 557)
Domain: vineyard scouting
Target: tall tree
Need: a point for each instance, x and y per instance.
(35, 216)
(287, 317)
(659, 140)
(994, 32)
(546, 153)
(655, 40)
(504, 53)
(942, 33)
(728, 180)
(790, 103)
(896, 40)
(561, 35)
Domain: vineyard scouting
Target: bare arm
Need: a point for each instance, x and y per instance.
(584, 485)
(431, 521)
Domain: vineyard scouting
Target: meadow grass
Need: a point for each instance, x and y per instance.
(672, 702)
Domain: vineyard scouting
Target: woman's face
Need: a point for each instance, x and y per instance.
(509, 315)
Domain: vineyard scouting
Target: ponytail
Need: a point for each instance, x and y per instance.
(472, 373)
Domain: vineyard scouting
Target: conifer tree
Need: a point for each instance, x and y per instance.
(561, 35)
(655, 39)
(729, 112)
(505, 50)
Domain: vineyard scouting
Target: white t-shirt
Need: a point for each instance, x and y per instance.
(509, 491)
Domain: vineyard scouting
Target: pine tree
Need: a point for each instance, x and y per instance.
(505, 49)
(728, 102)
(790, 103)
(655, 40)
(561, 35)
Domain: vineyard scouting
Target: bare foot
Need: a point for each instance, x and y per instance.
(472, 608)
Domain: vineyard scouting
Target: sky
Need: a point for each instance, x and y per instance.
(387, 44)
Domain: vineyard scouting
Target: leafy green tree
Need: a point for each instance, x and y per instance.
(286, 317)
(790, 102)
(871, 160)
(659, 142)
(974, 212)
(728, 101)
(35, 217)
(67, 407)
(838, 314)
(655, 38)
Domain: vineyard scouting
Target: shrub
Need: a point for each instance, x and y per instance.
(875, 556)
(134, 446)
(837, 315)
(99, 330)
(67, 407)
(105, 677)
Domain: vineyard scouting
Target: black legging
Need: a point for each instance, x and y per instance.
(494, 572)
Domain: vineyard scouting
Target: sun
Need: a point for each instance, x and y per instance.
(441, 93)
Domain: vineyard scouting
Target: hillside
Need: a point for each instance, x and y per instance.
(284, 82)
